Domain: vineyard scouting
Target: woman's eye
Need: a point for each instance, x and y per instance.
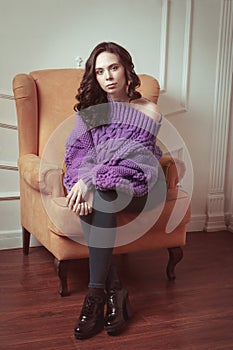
(114, 68)
(99, 72)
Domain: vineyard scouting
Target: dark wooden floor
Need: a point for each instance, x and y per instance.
(195, 312)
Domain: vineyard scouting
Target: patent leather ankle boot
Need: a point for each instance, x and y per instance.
(118, 311)
(91, 319)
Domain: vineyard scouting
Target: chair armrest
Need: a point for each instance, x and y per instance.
(174, 170)
(46, 177)
(42, 176)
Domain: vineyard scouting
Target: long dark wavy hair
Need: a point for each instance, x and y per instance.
(91, 94)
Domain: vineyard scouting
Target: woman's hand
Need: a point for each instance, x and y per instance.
(80, 199)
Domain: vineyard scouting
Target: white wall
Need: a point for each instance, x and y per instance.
(177, 41)
(52, 33)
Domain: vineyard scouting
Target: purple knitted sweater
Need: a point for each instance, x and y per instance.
(121, 155)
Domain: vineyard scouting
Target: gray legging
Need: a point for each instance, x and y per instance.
(101, 263)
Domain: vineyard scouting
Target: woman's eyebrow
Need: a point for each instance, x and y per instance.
(110, 66)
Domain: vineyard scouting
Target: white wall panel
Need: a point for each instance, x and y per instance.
(10, 212)
(9, 181)
(9, 146)
(7, 110)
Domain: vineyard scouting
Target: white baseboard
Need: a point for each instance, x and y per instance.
(216, 223)
(230, 223)
(13, 239)
(197, 223)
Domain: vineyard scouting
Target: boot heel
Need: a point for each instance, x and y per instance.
(127, 309)
(118, 311)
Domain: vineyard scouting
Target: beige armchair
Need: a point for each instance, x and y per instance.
(44, 102)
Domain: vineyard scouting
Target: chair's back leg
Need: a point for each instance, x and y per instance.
(175, 255)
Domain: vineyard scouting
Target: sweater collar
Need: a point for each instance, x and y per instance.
(125, 113)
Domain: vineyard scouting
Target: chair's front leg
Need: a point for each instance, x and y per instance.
(26, 240)
(61, 267)
(175, 255)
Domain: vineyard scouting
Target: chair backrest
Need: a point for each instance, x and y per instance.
(45, 98)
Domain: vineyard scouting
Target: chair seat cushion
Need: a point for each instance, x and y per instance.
(130, 226)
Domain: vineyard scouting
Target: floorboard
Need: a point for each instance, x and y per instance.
(194, 312)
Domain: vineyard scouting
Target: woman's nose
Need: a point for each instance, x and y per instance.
(108, 75)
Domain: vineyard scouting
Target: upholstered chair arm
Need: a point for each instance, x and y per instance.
(25, 94)
(174, 170)
(42, 176)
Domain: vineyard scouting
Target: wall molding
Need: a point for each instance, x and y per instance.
(6, 96)
(163, 46)
(223, 87)
(9, 196)
(198, 222)
(8, 126)
(8, 165)
(175, 112)
(186, 54)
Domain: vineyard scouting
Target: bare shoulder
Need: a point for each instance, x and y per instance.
(148, 107)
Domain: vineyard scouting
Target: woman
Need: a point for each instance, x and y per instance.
(111, 157)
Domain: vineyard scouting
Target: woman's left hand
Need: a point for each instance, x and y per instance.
(80, 199)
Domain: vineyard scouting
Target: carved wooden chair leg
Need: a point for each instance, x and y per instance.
(26, 241)
(61, 268)
(175, 255)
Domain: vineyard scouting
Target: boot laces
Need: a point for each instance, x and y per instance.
(89, 305)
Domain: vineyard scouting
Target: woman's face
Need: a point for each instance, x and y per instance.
(110, 74)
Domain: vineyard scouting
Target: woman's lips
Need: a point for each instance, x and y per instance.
(110, 86)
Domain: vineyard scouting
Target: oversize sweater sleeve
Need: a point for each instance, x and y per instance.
(80, 157)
